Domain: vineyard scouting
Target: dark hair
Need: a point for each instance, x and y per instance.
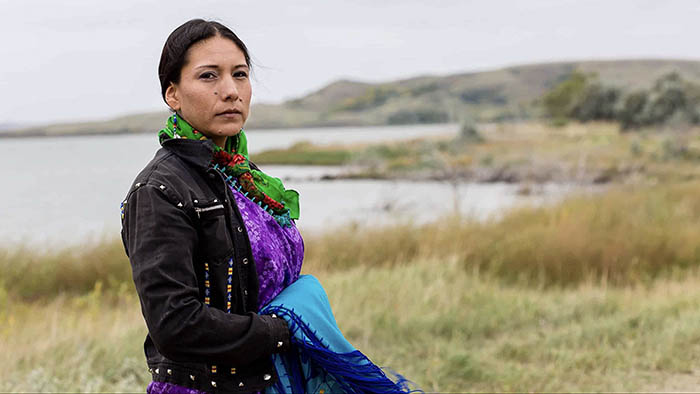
(181, 39)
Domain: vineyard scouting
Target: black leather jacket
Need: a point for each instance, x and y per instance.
(178, 215)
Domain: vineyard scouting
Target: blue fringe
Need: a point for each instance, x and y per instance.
(353, 372)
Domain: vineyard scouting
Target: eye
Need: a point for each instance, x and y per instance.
(207, 75)
(240, 74)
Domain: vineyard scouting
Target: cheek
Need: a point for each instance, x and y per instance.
(197, 99)
(246, 95)
(196, 96)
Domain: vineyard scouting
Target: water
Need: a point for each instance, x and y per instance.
(67, 190)
(269, 139)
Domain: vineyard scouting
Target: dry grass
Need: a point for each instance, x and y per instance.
(625, 236)
(628, 235)
(596, 293)
(450, 330)
(88, 343)
(30, 275)
(447, 329)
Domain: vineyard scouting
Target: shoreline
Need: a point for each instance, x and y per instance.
(43, 133)
(35, 132)
(486, 176)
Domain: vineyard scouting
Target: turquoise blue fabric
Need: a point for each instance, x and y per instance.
(321, 359)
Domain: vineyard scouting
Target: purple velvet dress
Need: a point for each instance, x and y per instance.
(278, 253)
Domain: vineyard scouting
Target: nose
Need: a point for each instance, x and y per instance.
(229, 89)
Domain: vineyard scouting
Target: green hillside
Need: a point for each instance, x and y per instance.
(504, 94)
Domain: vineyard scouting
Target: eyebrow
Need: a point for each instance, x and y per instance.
(216, 66)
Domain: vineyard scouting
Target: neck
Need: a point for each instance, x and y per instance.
(219, 140)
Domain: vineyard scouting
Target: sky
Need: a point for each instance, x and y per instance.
(74, 60)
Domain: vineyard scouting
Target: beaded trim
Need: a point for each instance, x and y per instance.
(177, 135)
(228, 286)
(207, 291)
(229, 282)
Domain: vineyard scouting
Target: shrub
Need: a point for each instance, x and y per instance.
(483, 95)
(632, 114)
(469, 133)
(418, 116)
(373, 97)
(596, 103)
(561, 100)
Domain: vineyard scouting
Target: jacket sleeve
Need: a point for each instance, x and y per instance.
(160, 238)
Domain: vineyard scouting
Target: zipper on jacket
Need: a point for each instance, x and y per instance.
(207, 209)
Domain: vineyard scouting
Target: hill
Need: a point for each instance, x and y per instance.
(497, 95)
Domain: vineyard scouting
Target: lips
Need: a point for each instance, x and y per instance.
(229, 112)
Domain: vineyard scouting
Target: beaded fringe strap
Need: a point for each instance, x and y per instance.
(207, 294)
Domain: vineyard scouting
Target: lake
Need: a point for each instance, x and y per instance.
(67, 190)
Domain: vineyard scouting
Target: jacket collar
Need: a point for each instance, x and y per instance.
(198, 153)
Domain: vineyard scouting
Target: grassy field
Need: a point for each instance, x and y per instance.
(443, 327)
(597, 293)
(629, 235)
(522, 152)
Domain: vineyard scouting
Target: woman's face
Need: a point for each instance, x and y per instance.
(214, 91)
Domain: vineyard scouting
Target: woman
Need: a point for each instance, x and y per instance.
(212, 239)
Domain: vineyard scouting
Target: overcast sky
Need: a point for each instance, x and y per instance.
(91, 59)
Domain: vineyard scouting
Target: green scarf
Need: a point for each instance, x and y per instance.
(232, 161)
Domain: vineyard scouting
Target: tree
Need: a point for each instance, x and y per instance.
(632, 114)
(598, 102)
(561, 100)
(668, 98)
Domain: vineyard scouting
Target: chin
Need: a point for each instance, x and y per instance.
(228, 131)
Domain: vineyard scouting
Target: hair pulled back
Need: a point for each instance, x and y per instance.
(174, 54)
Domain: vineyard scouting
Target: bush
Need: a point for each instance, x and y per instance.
(668, 99)
(483, 96)
(469, 133)
(596, 103)
(418, 116)
(632, 114)
(560, 102)
(373, 97)
(671, 99)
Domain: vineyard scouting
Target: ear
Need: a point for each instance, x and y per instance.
(172, 97)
